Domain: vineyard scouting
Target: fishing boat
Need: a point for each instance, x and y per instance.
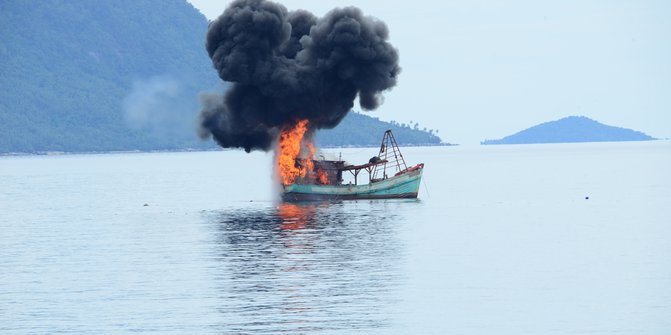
(388, 178)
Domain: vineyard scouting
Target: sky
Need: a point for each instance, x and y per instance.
(485, 69)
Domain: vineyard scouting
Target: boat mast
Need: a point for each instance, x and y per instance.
(394, 157)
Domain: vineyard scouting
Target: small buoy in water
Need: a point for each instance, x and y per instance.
(146, 205)
(586, 198)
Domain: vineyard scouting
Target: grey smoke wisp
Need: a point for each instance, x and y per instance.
(160, 106)
(287, 66)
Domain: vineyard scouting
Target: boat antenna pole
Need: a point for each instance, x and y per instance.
(397, 152)
(389, 142)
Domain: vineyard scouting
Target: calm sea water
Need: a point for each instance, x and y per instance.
(503, 240)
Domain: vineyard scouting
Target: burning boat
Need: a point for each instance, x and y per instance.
(296, 73)
(306, 179)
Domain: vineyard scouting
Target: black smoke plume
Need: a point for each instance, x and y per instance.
(286, 66)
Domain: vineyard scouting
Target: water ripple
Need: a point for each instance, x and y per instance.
(307, 267)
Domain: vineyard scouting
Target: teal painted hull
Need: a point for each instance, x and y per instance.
(403, 186)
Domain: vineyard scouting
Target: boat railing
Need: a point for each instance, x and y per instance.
(410, 169)
(368, 167)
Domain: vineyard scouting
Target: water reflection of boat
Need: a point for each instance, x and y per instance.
(295, 217)
(404, 183)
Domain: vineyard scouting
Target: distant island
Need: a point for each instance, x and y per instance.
(571, 129)
(124, 75)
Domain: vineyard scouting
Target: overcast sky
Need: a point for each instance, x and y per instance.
(485, 69)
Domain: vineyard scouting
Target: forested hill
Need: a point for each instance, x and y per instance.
(368, 131)
(80, 75)
(572, 129)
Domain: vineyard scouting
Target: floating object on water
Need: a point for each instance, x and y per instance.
(326, 182)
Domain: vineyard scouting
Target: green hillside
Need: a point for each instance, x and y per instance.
(68, 66)
(369, 132)
(79, 75)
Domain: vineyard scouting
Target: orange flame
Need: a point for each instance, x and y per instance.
(308, 163)
(289, 148)
(323, 177)
(292, 144)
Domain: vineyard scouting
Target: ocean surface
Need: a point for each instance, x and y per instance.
(515, 239)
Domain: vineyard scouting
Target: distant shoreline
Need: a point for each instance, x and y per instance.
(74, 153)
(576, 142)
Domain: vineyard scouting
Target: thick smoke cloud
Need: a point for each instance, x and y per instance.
(286, 66)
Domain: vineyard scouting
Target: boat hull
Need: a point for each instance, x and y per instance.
(405, 185)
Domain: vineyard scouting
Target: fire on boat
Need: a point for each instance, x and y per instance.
(307, 179)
